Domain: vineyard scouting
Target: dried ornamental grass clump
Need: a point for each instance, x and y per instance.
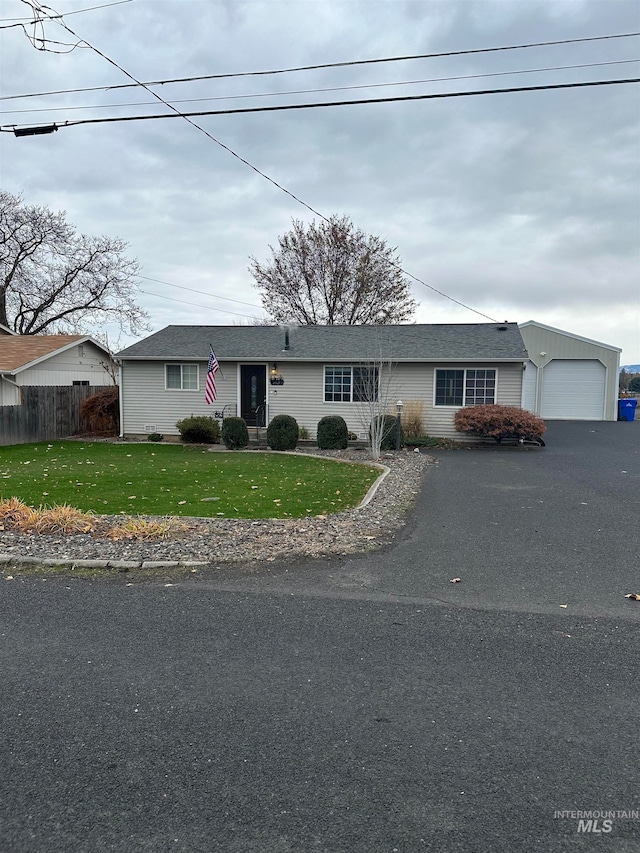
(62, 519)
(145, 529)
(14, 513)
(412, 418)
(500, 422)
(57, 519)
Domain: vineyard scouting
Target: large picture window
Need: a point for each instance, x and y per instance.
(465, 387)
(181, 377)
(350, 384)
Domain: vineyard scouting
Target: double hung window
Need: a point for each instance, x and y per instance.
(465, 387)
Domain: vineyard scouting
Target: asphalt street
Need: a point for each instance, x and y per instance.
(355, 704)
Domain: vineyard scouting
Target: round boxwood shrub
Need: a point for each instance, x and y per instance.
(282, 433)
(199, 430)
(333, 433)
(500, 422)
(235, 434)
(389, 431)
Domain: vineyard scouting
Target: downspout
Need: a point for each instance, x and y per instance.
(5, 378)
(120, 405)
(10, 381)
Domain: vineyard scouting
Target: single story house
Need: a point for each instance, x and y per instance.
(568, 377)
(313, 371)
(50, 360)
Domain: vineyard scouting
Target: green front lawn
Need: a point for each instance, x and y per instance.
(157, 479)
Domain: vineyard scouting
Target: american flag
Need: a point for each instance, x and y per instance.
(211, 393)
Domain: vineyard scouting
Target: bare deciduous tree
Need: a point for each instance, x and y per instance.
(53, 279)
(333, 274)
(373, 392)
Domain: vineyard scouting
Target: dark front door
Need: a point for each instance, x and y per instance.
(253, 393)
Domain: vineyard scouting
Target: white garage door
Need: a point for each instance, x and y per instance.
(573, 389)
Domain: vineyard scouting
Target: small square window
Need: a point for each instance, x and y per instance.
(181, 377)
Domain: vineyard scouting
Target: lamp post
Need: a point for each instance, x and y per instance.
(398, 423)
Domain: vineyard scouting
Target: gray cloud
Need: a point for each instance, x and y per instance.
(522, 205)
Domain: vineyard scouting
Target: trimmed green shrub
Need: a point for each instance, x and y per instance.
(333, 433)
(500, 422)
(199, 430)
(282, 433)
(389, 430)
(235, 434)
(155, 436)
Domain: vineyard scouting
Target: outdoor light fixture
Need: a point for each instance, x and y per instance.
(274, 376)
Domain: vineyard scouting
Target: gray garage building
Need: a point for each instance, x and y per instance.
(568, 377)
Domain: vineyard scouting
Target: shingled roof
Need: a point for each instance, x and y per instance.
(435, 342)
(18, 351)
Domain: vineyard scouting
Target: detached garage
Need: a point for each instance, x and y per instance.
(568, 377)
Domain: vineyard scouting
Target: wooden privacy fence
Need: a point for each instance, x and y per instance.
(47, 412)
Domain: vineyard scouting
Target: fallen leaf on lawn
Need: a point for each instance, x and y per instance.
(181, 502)
(634, 596)
(9, 578)
(564, 605)
(455, 580)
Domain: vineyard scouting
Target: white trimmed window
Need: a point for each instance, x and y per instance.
(465, 387)
(350, 384)
(181, 377)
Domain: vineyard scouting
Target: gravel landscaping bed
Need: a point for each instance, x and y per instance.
(216, 541)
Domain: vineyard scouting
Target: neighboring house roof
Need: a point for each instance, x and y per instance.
(22, 351)
(441, 342)
(568, 335)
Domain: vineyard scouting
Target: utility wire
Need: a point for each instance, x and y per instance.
(203, 292)
(258, 171)
(345, 64)
(285, 107)
(197, 305)
(328, 89)
(27, 21)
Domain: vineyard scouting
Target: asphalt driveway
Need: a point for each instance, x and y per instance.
(350, 706)
(526, 529)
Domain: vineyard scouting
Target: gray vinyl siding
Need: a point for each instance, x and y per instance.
(149, 407)
(302, 395)
(67, 367)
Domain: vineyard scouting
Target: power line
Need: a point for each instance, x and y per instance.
(331, 88)
(345, 64)
(203, 292)
(20, 21)
(286, 107)
(258, 171)
(196, 305)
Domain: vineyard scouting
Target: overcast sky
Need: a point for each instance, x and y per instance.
(523, 205)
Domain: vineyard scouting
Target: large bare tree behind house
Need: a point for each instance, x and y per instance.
(53, 279)
(332, 273)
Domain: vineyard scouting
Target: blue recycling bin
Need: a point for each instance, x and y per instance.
(627, 409)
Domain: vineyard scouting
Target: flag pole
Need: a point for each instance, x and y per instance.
(219, 365)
